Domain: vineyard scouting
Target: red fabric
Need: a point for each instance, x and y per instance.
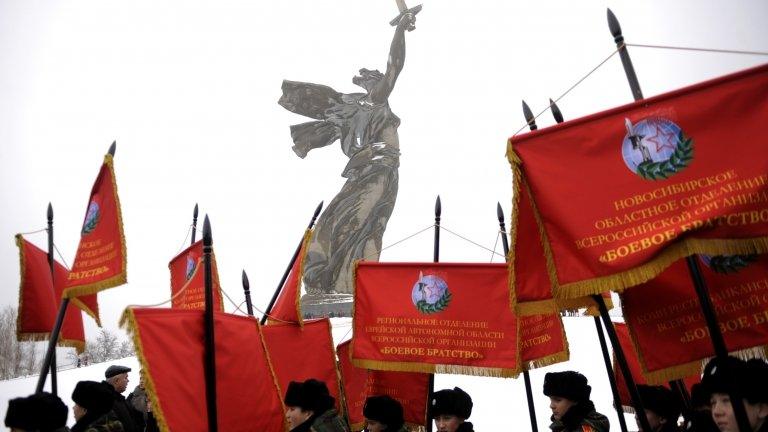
(542, 340)
(101, 257)
(299, 353)
(668, 325)
(170, 347)
(187, 269)
(398, 324)
(409, 388)
(39, 299)
(634, 367)
(287, 307)
(602, 219)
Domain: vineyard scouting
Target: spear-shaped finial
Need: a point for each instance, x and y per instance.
(247, 291)
(438, 207)
(629, 69)
(195, 212)
(556, 111)
(49, 213)
(207, 236)
(499, 213)
(529, 118)
(112, 148)
(316, 214)
(614, 27)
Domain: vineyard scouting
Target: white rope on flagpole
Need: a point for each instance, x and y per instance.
(34, 232)
(499, 233)
(397, 242)
(711, 50)
(183, 243)
(61, 257)
(493, 251)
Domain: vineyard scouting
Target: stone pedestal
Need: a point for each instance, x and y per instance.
(326, 305)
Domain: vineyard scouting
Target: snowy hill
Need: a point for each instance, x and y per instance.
(499, 404)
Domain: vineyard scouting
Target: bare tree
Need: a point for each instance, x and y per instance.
(16, 358)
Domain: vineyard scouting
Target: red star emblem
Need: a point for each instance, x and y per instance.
(662, 138)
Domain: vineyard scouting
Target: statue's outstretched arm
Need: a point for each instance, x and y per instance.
(380, 93)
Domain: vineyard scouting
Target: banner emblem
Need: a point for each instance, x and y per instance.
(92, 217)
(191, 265)
(725, 264)
(655, 148)
(430, 294)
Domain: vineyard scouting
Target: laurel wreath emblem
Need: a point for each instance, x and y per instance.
(435, 307)
(730, 263)
(681, 158)
(91, 218)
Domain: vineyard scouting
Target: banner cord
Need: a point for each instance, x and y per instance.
(711, 50)
(237, 307)
(572, 87)
(496, 243)
(34, 232)
(397, 242)
(184, 288)
(61, 257)
(271, 317)
(189, 230)
(493, 251)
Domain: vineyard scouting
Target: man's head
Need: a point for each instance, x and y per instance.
(306, 399)
(383, 413)
(91, 396)
(117, 377)
(41, 412)
(661, 406)
(367, 78)
(450, 408)
(748, 379)
(565, 389)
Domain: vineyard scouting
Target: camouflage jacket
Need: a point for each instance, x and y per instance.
(329, 421)
(106, 423)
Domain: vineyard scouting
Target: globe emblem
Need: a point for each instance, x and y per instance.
(650, 140)
(91, 218)
(430, 294)
(190, 267)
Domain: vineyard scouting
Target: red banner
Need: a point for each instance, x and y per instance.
(542, 341)
(169, 345)
(39, 299)
(667, 186)
(299, 353)
(434, 317)
(287, 306)
(634, 367)
(188, 280)
(100, 262)
(667, 324)
(411, 389)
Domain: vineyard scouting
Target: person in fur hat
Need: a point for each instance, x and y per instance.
(382, 413)
(40, 412)
(309, 407)
(93, 408)
(662, 408)
(450, 410)
(572, 411)
(749, 380)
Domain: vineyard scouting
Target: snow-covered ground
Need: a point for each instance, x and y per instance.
(499, 404)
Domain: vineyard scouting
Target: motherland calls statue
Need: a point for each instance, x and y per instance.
(352, 226)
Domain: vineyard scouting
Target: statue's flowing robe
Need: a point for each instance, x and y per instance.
(353, 224)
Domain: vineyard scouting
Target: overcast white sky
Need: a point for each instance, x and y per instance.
(189, 90)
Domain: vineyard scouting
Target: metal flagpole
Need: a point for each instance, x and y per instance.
(54, 385)
(700, 286)
(558, 115)
(210, 345)
(526, 375)
(290, 265)
(435, 258)
(247, 290)
(194, 225)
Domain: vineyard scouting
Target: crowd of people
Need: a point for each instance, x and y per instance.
(101, 407)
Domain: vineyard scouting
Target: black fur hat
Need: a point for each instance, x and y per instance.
(93, 396)
(452, 402)
(42, 412)
(310, 395)
(384, 410)
(569, 384)
(748, 378)
(661, 401)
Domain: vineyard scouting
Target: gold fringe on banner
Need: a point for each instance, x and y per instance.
(304, 249)
(128, 322)
(512, 279)
(83, 307)
(562, 356)
(339, 388)
(272, 371)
